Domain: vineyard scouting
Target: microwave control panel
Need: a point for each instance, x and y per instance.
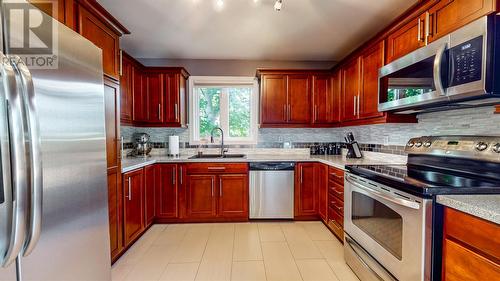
(466, 61)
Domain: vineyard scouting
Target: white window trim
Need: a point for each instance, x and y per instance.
(194, 138)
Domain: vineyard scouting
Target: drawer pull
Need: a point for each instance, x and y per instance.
(336, 176)
(217, 168)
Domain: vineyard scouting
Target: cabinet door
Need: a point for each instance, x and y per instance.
(112, 123)
(155, 100)
(115, 213)
(449, 15)
(92, 28)
(133, 215)
(233, 196)
(172, 97)
(167, 195)
(336, 111)
(150, 185)
(371, 60)
(140, 96)
(200, 196)
(322, 99)
(273, 99)
(299, 99)
(351, 89)
(406, 39)
(126, 91)
(305, 190)
(321, 177)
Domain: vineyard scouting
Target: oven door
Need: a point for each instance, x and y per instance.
(389, 225)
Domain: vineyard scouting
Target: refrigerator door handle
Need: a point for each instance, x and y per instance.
(18, 161)
(36, 184)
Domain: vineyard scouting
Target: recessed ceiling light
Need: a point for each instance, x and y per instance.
(219, 4)
(278, 5)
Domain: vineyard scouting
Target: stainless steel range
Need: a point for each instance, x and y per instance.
(392, 224)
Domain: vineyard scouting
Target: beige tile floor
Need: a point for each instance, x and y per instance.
(281, 251)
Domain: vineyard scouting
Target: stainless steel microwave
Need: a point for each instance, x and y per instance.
(458, 70)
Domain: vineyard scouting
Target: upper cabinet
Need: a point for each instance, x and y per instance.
(435, 20)
(152, 96)
(371, 60)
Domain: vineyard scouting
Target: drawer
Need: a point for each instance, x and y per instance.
(336, 175)
(476, 232)
(336, 216)
(462, 264)
(336, 204)
(336, 229)
(336, 189)
(217, 168)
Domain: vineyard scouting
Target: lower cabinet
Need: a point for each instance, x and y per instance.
(115, 213)
(167, 192)
(305, 191)
(321, 177)
(133, 210)
(471, 248)
(151, 179)
(216, 192)
(335, 219)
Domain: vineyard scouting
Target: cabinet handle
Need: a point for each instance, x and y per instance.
(289, 112)
(212, 187)
(181, 173)
(220, 187)
(315, 112)
(176, 112)
(355, 105)
(129, 190)
(217, 168)
(301, 174)
(159, 111)
(335, 175)
(174, 174)
(427, 27)
(419, 25)
(285, 115)
(359, 101)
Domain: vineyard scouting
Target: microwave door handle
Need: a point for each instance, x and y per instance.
(438, 82)
(395, 200)
(36, 184)
(18, 161)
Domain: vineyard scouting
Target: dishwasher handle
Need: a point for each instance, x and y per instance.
(272, 166)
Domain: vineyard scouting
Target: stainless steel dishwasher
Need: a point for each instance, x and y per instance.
(271, 190)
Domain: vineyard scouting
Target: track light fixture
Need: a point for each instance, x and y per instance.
(278, 5)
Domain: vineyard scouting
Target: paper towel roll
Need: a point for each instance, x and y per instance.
(173, 145)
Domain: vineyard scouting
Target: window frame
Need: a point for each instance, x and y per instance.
(223, 81)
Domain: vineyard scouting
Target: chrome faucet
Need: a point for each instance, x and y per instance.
(222, 149)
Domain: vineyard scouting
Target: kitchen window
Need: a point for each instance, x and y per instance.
(230, 103)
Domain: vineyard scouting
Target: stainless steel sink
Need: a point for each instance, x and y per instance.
(217, 156)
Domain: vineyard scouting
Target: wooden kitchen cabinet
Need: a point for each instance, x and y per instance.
(115, 212)
(299, 98)
(140, 96)
(471, 248)
(126, 89)
(133, 206)
(321, 177)
(61, 10)
(449, 15)
(273, 99)
(233, 196)
(323, 100)
(371, 60)
(201, 200)
(335, 202)
(306, 196)
(167, 195)
(151, 181)
(351, 89)
(406, 39)
(336, 110)
(155, 93)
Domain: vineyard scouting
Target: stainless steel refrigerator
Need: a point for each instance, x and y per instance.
(53, 191)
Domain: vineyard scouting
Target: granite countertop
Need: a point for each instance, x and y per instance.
(338, 161)
(485, 206)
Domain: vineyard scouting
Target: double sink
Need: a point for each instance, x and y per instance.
(217, 156)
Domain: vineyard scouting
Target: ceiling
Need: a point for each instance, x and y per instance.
(314, 30)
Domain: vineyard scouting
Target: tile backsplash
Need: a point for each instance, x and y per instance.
(383, 137)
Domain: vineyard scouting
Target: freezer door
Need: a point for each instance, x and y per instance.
(74, 240)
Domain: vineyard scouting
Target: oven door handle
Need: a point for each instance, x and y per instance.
(395, 200)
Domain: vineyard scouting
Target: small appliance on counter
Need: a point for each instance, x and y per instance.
(173, 146)
(142, 145)
(353, 150)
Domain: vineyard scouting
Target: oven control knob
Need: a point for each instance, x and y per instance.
(481, 146)
(418, 144)
(411, 144)
(427, 144)
(496, 148)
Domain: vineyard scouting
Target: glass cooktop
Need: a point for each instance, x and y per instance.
(427, 181)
